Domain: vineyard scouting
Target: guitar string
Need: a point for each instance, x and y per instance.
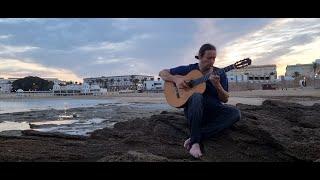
(207, 76)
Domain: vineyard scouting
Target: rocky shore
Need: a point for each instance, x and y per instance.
(274, 131)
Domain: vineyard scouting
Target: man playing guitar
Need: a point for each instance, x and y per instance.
(205, 113)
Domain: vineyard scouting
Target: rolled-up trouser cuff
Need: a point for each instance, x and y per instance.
(194, 140)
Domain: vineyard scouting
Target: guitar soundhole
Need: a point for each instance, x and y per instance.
(190, 83)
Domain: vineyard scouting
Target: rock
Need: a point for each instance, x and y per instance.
(11, 133)
(164, 112)
(273, 132)
(265, 133)
(51, 134)
(310, 121)
(134, 156)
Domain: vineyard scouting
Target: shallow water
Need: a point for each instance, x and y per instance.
(75, 127)
(72, 127)
(87, 121)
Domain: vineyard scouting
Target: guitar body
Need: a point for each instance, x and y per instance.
(197, 81)
(178, 97)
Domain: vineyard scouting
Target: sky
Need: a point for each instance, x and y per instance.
(77, 48)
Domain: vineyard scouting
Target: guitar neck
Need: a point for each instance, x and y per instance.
(225, 69)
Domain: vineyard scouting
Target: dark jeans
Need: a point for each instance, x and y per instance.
(205, 123)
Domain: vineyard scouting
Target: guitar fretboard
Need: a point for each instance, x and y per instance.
(207, 76)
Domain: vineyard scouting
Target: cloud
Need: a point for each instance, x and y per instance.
(5, 36)
(207, 32)
(20, 68)
(21, 20)
(108, 46)
(12, 50)
(280, 40)
(105, 46)
(114, 46)
(121, 19)
(122, 24)
(58, 26)
(114, 66)
(101, 60)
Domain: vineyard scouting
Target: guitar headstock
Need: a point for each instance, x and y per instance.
(242, 63)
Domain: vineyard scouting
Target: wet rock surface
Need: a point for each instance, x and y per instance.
(275, 131)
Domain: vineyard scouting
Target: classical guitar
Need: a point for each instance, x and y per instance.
(177, 97)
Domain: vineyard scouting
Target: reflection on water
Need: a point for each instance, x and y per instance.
(72, 127)
(21, 105)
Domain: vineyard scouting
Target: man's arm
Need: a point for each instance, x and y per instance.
(222, 94)
(166, 76)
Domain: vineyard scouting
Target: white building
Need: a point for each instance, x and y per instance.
(154, 85)
(286, 78)
(262, 73)
(84, 89)
(96, 90)
(305, 70)
(5, 85)
(118, 82)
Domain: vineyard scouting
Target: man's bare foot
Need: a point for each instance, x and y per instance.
(187, 144)
(195, 150)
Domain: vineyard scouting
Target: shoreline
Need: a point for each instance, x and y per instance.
(306, 97)
(14, 96)
(311, 92)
